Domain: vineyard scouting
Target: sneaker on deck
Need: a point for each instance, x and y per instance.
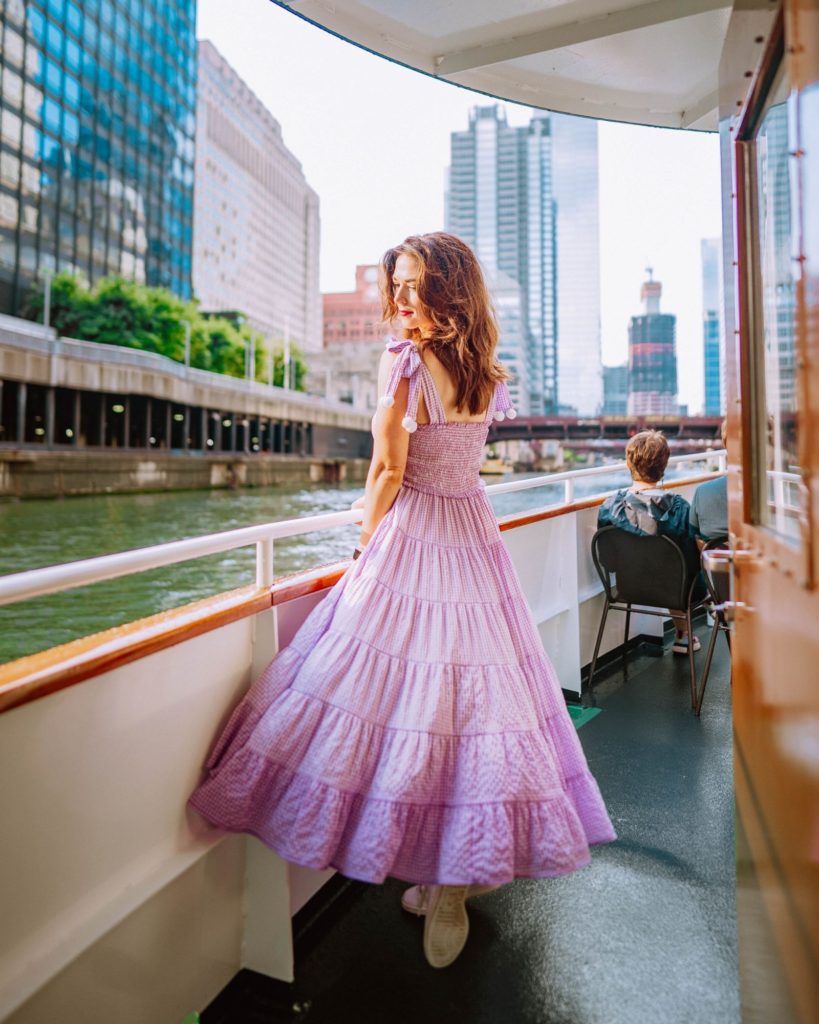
(680, 645)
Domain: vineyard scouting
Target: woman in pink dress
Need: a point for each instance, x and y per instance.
(415, 727)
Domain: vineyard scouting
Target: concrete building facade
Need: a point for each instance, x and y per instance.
(256, 219)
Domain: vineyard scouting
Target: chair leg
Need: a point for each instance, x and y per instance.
(691, 666)
(626, 637)
(709, 654)
(597, 644)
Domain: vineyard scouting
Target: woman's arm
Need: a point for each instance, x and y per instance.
(390, 447)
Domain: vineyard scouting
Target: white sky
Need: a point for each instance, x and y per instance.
(373, 140)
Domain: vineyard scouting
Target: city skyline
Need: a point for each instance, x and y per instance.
(373, 140)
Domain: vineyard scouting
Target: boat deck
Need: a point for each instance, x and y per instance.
(646, 935)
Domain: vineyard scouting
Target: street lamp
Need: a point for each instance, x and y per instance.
(47, 274)
(187, 325)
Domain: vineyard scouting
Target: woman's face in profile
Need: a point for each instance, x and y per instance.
(411, 315)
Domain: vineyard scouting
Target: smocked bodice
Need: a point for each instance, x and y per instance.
(444, 457)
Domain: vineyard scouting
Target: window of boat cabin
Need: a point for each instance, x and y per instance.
(778, 500)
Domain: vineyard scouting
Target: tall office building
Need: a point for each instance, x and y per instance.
(652, 357)
(711, 320)
(615, 390)
(499, 201)
(575, 183)
(525, 198)
(256, 220)
(97, 124)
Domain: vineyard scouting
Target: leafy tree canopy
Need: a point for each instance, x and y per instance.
(117, 311)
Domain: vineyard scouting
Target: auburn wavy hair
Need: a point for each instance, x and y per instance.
(453, 295)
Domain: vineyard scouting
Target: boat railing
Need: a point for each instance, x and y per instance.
(33, 583)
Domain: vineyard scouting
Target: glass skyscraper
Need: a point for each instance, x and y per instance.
(711, 308)
(499, 201)
(97, 125)
(526, 199)
(652, 357)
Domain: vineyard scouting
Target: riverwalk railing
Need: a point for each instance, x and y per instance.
(52, 579)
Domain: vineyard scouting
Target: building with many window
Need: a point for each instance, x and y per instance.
(525, 198)
(256, 220)
(576, 190)
(615, 390)
(346, 370)
(711, 325)
(97, 125)
(354, 316)
(652, 356)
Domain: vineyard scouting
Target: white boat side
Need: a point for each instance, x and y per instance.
(102, 741)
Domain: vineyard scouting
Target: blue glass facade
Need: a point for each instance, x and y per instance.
(711, 363)
(97, 126)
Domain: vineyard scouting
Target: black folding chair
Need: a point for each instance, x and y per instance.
(719, 591)
(649, 574)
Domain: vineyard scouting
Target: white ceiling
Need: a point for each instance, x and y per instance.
(643, 61)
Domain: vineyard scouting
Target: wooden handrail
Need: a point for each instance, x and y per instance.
(38, 675)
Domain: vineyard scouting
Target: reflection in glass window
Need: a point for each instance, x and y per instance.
(71, 127)
(51, 116)
(53, 77)
(73, 55)
(54, 40)
(779, 497)
(71, 91)
(12, 86)
(73, 18)
(13, 47)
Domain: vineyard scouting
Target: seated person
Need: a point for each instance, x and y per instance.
(709, 506)
(645, 508)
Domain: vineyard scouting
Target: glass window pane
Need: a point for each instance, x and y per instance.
(779, 487)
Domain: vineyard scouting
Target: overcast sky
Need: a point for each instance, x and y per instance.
(373, 140)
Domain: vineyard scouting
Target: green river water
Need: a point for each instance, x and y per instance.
(51, 531)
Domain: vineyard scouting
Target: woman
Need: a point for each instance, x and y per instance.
(414, 727)
(645, 508)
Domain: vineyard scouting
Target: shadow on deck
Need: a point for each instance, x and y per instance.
(646, 935)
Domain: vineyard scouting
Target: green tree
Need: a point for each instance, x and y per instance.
(118, 311)
(69, 297)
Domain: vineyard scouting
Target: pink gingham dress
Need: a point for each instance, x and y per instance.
(415, 727)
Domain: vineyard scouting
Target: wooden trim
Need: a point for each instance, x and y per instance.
(38, 675)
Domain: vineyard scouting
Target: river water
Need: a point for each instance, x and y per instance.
(51, 531)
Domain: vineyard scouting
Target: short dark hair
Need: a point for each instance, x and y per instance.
(647, 455)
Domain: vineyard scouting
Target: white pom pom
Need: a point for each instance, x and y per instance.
(409, 424)
(510, 414)
(387, 401)
(499, 415)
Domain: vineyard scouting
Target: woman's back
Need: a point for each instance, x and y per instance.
(445, 388)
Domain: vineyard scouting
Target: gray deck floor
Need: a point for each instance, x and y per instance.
(646, 935)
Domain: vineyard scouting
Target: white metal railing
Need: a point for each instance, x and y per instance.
(33, 583)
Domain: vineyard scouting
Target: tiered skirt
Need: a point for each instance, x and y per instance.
(414, 727)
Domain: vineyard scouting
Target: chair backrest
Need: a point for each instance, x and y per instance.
(637, 569)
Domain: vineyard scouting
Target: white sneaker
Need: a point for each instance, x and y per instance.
(680, 645)
(415, 899)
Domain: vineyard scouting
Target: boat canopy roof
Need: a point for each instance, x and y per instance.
(650, 62)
